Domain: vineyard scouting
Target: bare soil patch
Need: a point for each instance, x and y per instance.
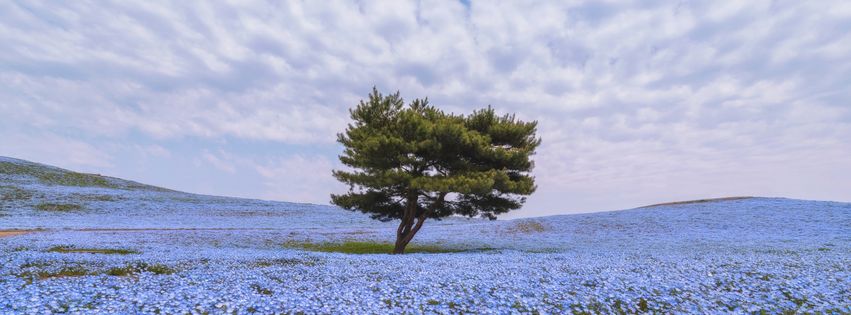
(10, 233)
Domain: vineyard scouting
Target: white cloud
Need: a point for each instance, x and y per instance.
(221, 161)
(153, 150)
(299, 178)
(55, 150)
(290, 177)
(628, 94)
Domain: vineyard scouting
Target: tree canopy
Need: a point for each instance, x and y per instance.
(413, 162)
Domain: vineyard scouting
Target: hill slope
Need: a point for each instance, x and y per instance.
(123, 247)
(34, 195)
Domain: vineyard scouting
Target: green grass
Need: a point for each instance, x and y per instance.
(59, 177)
(676, 203)
(58, 207)
(80, 271)
(107, 251)
(361, 247)
(542, 250)
(129, 270)
(12, 193)
(95, 197)
(288, 262)
(528, 227)
(75, 179)
(73, 271)
(54, 176)
(159, 269)
(121, 271)
(66, 272)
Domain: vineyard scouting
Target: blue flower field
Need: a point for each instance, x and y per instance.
(85, 244)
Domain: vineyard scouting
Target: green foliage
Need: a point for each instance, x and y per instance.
(417, 161)
(58, 207)
(353, 247)
(418, 150)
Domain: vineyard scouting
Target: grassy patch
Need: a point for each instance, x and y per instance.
(96, 197)
(76, 271)
(676, 203)
(108, 251)
(543, 250)
(121, 271)
(157, 269)
(58, 207)
(129, 270)
(527, 227)
(11, 193)
(355, 247)
(287, 262)
(80, 271)
(75, 179)
(35, 264)
(71, 271)
(51, 176)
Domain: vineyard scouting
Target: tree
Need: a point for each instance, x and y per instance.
(417, 162)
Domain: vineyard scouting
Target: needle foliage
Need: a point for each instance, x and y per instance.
(414, 161)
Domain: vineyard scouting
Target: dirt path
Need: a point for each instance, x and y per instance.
(7, 233)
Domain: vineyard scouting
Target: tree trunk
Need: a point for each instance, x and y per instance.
(400, 246)
(406, 225)
(407, 230)
(402, 240)
(400, 235)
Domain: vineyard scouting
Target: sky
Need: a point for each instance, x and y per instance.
(638, 102)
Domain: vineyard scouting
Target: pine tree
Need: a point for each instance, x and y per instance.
(417, 162)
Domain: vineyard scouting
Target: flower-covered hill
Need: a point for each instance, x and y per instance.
(39, 196)
(111, 246)
(34, 195)
(751, 223)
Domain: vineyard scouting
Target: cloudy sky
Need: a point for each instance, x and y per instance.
(638, 102)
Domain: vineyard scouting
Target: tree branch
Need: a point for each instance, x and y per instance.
(421, 219)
